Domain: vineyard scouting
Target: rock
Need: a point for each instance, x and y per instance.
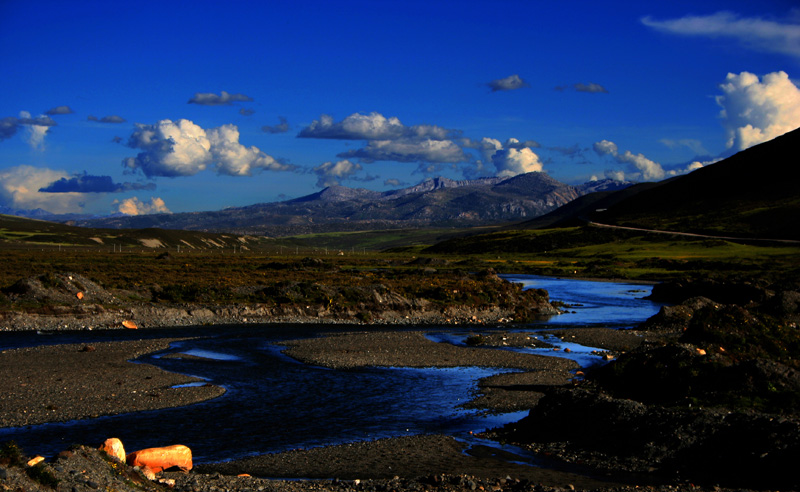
(148, 473)
(129, 324)
(113, 447)
(159, 459)
(35, 460)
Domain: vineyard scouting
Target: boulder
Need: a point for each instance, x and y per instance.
(148, 473)
(113, 447)
(35, 460)
(159, 459)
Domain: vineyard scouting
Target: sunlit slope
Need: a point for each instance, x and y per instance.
(21, 232)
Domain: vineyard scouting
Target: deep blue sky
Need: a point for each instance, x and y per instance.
(199, 105)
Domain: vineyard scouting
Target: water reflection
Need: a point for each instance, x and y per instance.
(611, 304)
(583, 355)
(273, 405)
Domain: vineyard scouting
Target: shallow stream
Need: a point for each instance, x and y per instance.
(273, 403)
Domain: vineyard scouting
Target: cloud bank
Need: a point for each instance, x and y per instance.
(86, 183)
(20, 185)
(107, 119)
(388, 139)
(754, 32)
(755, 111)
(182, 148)
(409, 150)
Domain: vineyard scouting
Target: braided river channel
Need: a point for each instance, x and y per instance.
(274, 403)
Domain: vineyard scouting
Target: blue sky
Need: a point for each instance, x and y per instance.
(147, 106)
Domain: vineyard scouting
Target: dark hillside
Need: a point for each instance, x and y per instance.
(754, 193)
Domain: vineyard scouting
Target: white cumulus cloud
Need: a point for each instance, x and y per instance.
(182, 148)
(134, 206)
(331, 173)
(178, 148)
(648, 170)
(614, 174)
(372, 126)
(234, 159)
(35, 130)
(651, 170)
(489, 146)
(605, 147)
(511, 162)
(754, 111)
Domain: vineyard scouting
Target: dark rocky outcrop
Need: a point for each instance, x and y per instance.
(711, 397)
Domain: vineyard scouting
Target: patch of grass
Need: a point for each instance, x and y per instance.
(11, 454)
(41, 473)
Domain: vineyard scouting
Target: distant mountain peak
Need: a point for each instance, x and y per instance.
(337, 193)
(440, 183)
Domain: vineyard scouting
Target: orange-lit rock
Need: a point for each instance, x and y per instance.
(114, 447)
(129, 324)
(701, 352)
(79, 295)
(159, 459)
(35, 460)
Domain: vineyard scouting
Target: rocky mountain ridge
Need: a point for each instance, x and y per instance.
(436, 202)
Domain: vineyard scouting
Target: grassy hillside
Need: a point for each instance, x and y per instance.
(589, 251)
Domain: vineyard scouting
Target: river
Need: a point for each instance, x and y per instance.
(274, 403)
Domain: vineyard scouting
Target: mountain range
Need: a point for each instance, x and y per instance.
(436, 202)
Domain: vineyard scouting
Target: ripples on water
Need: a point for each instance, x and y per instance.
(274, 403)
